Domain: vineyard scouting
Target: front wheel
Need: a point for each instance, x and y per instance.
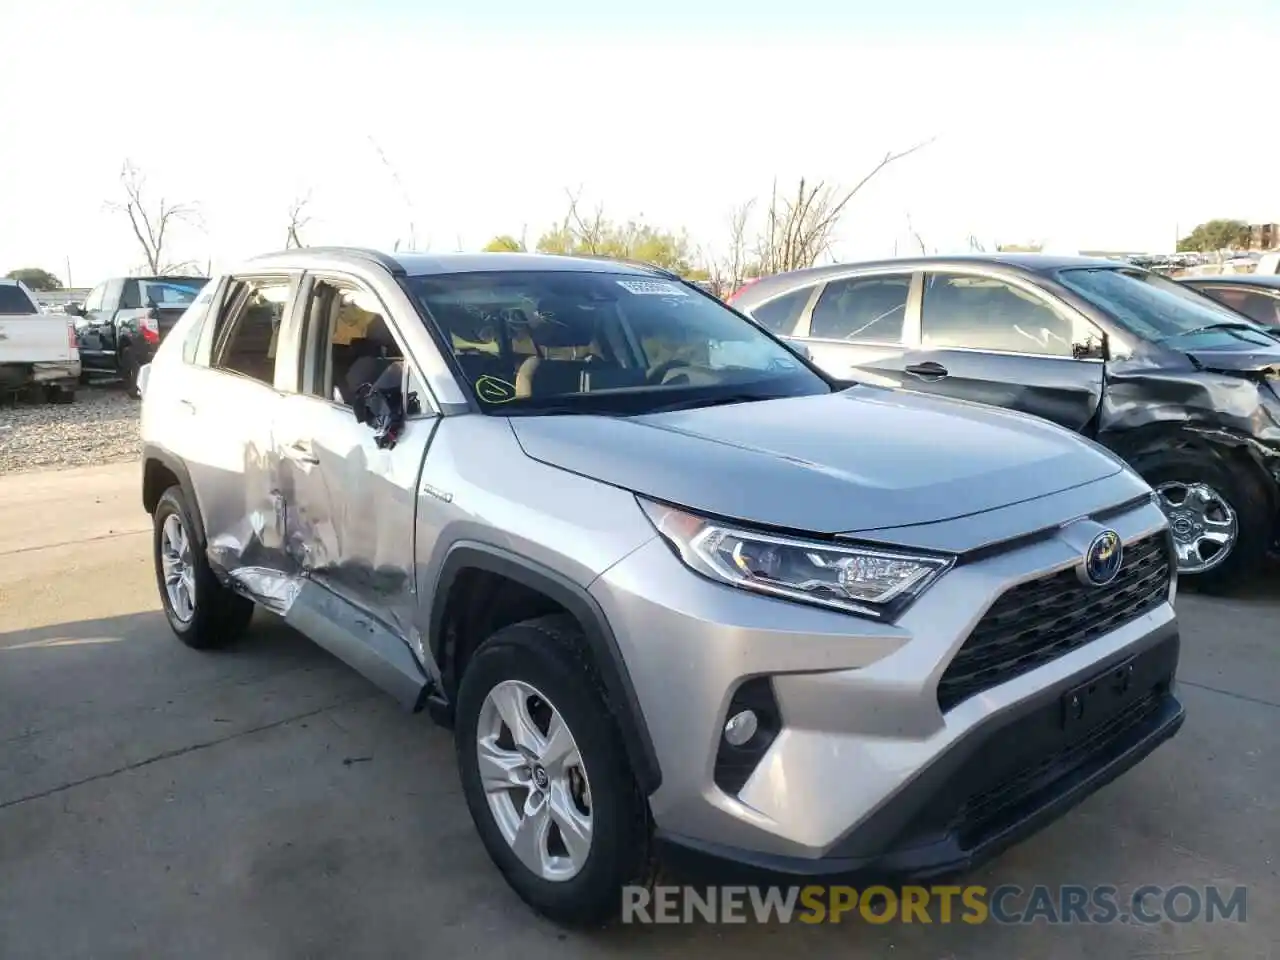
(1219, 514)
(545, 774)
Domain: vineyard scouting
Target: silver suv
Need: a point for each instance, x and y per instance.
(674, 591)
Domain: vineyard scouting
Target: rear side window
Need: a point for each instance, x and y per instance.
(862, 308)
(249, 327)
(1254, 304)
(13, 300)
(779, 316)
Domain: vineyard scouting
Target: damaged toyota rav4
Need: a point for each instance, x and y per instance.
(677, 593)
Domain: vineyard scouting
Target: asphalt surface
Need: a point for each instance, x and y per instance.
(265, 801)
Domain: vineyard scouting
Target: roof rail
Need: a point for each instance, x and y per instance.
(391, 264)
(643, 264)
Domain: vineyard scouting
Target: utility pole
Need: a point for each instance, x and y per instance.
(70, 285)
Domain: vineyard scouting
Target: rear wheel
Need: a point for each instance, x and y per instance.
(1219, 514)
(131, 371)
(201, 611)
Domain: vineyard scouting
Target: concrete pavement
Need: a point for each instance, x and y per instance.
(265, 802)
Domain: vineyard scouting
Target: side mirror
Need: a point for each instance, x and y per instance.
(800, 348)
(74, 309)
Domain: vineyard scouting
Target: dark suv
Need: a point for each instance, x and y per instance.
(1180, 386)
(122, 321)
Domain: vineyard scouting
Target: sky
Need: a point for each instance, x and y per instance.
(1082, 125)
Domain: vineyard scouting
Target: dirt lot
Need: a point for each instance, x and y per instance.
(101, 426)
(265, 802)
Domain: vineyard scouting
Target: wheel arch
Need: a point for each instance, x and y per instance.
(161, 469)
(469, 558)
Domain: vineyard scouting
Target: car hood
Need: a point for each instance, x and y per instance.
(865, 458)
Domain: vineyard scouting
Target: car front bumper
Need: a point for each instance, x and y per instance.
(867, 770)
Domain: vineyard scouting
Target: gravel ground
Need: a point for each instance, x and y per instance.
(101, 426)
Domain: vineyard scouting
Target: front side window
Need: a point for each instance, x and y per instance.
(249, 327)
(1157, 309)
(93, 302)
(862, 308)
(984, 313)
(353, 347)
(602, 343)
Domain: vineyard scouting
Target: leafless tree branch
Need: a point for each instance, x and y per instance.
(404, 195)
(298, 219)
(150, 223)
(798, 230)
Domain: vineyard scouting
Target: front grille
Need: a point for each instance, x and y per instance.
(1040, 620)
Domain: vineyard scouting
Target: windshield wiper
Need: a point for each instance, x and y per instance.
(694, 403)
(1224, 325)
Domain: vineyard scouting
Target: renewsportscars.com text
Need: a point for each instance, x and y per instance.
(1007, 904)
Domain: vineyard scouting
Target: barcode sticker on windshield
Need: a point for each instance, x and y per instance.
(652, 288)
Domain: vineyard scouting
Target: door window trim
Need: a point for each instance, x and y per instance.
(910, 317)
(1045, 296)
(304, 358)
(802, 318)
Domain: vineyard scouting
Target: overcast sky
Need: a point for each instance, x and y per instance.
(1070, 123)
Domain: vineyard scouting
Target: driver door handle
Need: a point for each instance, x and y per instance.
(929, 370)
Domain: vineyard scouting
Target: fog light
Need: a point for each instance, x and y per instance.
(741, 728)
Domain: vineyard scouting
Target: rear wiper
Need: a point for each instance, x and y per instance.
(1225, 325)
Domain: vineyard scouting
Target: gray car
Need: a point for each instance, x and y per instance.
(677, 593)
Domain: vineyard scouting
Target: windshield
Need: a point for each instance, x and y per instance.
(1158, 309)
(569, 342)
(171, 293)
(14, 300)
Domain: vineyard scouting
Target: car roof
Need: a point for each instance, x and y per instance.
(1242, 279)
(1034, 263)
(436, 264)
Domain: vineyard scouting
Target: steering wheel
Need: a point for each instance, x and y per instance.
(659, 373)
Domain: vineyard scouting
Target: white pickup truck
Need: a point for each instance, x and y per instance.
(36, 349)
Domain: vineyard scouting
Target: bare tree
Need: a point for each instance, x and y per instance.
(730, 269)
(588, 231)
(976, 245)
(297, 220)
(151, 223)
(404, 195)
(799, 229)
(915, 235)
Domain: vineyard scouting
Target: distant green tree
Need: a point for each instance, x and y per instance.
(1215, 235)
(36, 279)
(504, 244)
(598, 236)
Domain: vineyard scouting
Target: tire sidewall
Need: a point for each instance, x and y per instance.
(523, 653)
(1245, 497)
(171, 502)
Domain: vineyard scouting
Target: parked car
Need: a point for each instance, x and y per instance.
(1256, 295)
(1181, 387)
(674, 589)
(36, 349)
(122, 321)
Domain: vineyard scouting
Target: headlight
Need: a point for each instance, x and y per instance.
(869, 582)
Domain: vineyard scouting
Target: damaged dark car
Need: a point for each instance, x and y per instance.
(1182, 388)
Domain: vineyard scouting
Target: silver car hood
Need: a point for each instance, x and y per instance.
(862, 459)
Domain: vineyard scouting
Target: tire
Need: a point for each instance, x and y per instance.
(131, 370)
(219, 615)
(84, 378)
(1241, 489)
(547, 655)
(60, 393)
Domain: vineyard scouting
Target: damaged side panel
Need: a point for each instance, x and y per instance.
(1157, 402)
(319, 529)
